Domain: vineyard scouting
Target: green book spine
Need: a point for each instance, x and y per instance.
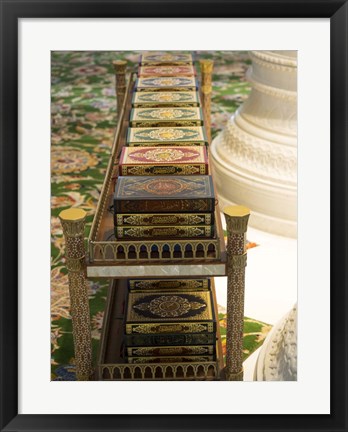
(165, 232)
(138, 340)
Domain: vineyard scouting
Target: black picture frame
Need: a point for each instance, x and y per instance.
(11, 11)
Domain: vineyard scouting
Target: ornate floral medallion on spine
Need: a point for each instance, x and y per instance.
(156, 84)
(163, 161)
(166, 136)
(164, 194)
(166, 117)
(168, 284)
(161, 59)
(165, 99)
(167, 71)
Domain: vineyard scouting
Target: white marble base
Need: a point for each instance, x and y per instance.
(165, 270)
(255, 157)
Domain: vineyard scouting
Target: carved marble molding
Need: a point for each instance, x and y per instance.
(255, 156)
(277, 360)
(276, 60)
(272, 91)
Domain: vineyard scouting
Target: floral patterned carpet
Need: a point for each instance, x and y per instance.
(83, 120)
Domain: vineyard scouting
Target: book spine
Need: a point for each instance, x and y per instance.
(170, 339)
(165, 105)
(163, 143)
(164, 206)
(164, 219)
(171, 351)
(151, 170)
(164, 232)
(168, 284)
(158, 89)
(196, 359)
(170, 123)
(166, 63)
(165, 328)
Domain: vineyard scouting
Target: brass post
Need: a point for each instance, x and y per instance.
(206, 88)
(237, 223)
(120, 73)
(73, 222)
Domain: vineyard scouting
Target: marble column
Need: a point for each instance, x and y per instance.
(277, 360)
(255, 156)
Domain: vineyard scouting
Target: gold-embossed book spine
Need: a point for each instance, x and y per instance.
(182, 339)
(171, 351)
(176, 104)
(163, 123)
(151, 170)
(168, 284)
(163, 232)
(197, 359)
(165, 143)
(166, 206)
(170, 327)
(153, 219)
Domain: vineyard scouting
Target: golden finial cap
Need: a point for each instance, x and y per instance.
(206, 65)
(237, 218)
(72, 214)
(236, 211)
(119, 62)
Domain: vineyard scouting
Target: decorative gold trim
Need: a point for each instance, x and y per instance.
(155, 250)
(120, 67)
(239, 260)
(230, 376)
(206, 89)
(206, 66)
(76, 264)
(146, 372)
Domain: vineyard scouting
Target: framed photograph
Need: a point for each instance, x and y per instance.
(59, 58)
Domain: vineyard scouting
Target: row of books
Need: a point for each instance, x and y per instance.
(164, 190)
(170, 321)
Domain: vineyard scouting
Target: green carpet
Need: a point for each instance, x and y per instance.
(83, 120)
